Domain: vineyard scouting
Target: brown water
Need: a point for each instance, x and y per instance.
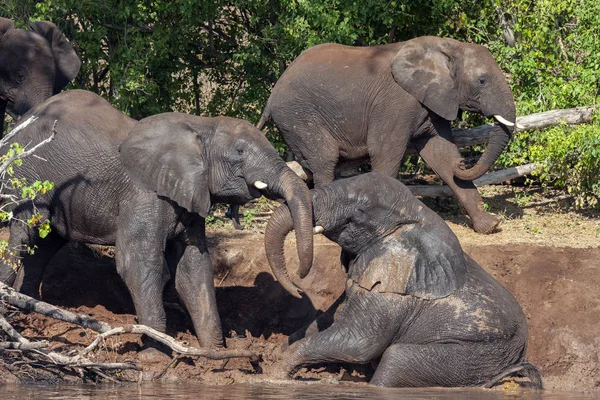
(269, 391)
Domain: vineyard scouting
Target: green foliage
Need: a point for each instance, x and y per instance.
(16, 191)
(569, 158)
(223, 57)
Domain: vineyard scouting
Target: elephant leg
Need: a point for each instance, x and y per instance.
(358, 335)
(386, 155)
(316, 150)
(437, 364)
(29, 277)
(319, 324)
(2, 112)
(195, 286)
(233, 212)
(139, 253)
(440, 154)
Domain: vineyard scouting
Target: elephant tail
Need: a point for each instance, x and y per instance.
(525, 370)
(266, 116)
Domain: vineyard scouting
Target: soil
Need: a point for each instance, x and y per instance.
(556, 281)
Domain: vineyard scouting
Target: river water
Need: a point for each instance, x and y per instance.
(270, 391)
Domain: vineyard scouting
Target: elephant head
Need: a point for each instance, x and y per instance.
(35, 65)
(195, 161)
(362, 214)
(446, 76)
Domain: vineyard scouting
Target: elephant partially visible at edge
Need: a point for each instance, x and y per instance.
(414, 303)
(146, 187)
(338, 104)
(34, 65)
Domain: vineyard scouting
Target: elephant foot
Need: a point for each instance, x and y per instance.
(151, 355)
(153, 351)
(486, 223)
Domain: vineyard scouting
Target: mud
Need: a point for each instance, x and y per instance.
(557, 287)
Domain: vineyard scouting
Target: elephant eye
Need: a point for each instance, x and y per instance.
(240, 151)
(482, 80)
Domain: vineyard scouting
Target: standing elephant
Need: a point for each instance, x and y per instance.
(414, 301)
(34, 65)
(146, 187)
(337, 104)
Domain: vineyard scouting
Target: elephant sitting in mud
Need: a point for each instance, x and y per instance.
(414, 302)
(146, 187)
(35, 65)
(339, 105)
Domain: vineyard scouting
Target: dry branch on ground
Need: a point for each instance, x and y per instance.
(36, 352)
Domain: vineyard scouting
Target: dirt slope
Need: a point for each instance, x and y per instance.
(559, 289)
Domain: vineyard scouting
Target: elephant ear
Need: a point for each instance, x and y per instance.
(424, 67)
(165, 154)
(412, 261)
(65, 57)
(5, 26)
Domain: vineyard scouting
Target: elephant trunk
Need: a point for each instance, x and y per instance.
(293, 189)
(501, 134)
(279, 225)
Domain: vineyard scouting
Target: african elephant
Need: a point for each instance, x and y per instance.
(413, 299)
(35, 65)
(146, 187)
(338, 104)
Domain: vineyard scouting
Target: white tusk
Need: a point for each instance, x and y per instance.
(503, 120)
(260, 185)
(318, 229)
(520, 127)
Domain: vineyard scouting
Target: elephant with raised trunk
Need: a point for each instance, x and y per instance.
(34, 65)
(146, 187)
(414, 302)
(338, 104)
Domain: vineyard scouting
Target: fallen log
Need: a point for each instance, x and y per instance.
(481, 134)
(11, 296)
(487, 179)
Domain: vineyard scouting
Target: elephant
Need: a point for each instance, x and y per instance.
(339, 106)
(414, 301)
(35, 65)
(146, 187)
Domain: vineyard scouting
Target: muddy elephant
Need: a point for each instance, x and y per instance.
(146, 187)
(338, 104)
(414, 301)
(35, 65)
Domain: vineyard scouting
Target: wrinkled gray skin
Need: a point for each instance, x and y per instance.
(146, 187)
(414, 302)
(337, 105)
(34, 65)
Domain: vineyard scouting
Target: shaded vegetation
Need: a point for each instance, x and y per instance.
(223, 57)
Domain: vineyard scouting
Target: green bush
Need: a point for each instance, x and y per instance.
(569, 158)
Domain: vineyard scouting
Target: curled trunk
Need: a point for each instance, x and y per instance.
(279, 225)
(298, 199)
(498, 140)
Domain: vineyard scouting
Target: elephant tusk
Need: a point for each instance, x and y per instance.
(503, 120)
(260, 185)
(520, 127)
(318, 229)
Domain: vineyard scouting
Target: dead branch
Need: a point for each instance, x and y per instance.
(171, 343)
(24, 346)
(25, 302)
(29, 152)
(487, 179)
(18, 129)
(481, 134)
(10, 331)
(22, 301)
